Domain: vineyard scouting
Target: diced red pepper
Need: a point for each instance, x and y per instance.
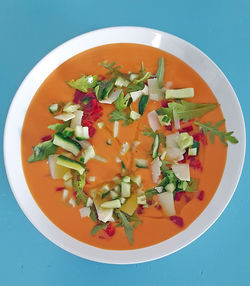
(164, 103)
(101, 77)
(149, 202)
(201, 195)
(195, 163)
(200, 137)
(46, 138)
(78, 96)
(110, 229)
(59, 189)
(187, 198)
(187, 129)
(178, 195)
(177, 220)
(75, 193)
(139, 210)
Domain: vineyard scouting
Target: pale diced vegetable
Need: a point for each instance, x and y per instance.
(181, 171)
(166, 200)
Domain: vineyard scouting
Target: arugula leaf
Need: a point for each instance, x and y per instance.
(126, 224)
(165, 111)
(164, 168)
(188, 110)
(111, 68)
(117, 115)
(143, 103)
(192, 186)
(84, 83)
(93, 214)
(78, 185)
(150, 133)
(103, 88)
(122, 101)
(135, 219)
(59, 126)
(135, 87)
(145, 77)
(160, 72)
(42, 151)
(98, 227)
(214, 131)
(150, 193)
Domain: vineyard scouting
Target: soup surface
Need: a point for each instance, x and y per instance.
(155, 226)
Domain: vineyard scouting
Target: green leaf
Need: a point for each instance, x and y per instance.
(192, 186)
(165, 111)
(143, 103)
(84, 83)
(164, 168)
(150, 133)
(59, 126)
(145, 77)
(150, 193)
(78, 185)
(103, 88)
(135, 87)
(214, 131)
(117, 115)
(112, 68)
(98, 227)
(160, 72)
(122, 101)
(127, 226)
(135, 219)
(42, 151)
(188, 110)
(93, 214)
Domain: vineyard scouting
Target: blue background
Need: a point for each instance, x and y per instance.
(29, 30)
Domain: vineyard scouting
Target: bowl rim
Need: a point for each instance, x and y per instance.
(195, 58)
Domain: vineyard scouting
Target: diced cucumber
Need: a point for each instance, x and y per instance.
(155, 92)
(111, 204)
(69, 163)
(141, 163)
(100, 159)
(125, 190)
(67, 144)
(89, 202)
(105, 194)
(81, 132)
(67, 176)
(170, 187)
(70, 107)
(53, 108)
(179, 93)
(192, 151)
(87, 154)
(136, 180)
(72, 202)
(122, 200)
(185, 140)
(77, 120)
(68, 132)
(117, 188)
(65, 194)
(100, 125)
(116, 129)
(164, 120)
(91, 179)
(155, 146)
(125, 148)
(85, 212)
(141, 200)
(68, 184)
(56, 171)
(183, 185)
(134, 115)
(121, 81)
(109, 142)
(126, 179)
(65, 116)
(114, 195)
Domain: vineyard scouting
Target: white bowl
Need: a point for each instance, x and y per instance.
(204, 66)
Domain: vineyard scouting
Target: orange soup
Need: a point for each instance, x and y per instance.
(140, 168)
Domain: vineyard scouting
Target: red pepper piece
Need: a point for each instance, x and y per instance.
(46, 138)
(110, 229)
(164, 103)
(195, 163)
(178, 196)
(59, 189)
(187, 129)
(200, 137)
(78, 96)
(177, 220)
(201, 195)
(139, 210)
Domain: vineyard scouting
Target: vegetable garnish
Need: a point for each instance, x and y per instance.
(104, 105)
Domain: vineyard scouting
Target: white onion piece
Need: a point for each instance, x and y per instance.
(166, 201)
(112, 97)
(116, 129)
(84, 212)
(154, 121)
(155, 93)
(77, 120)
(156, 169)
(181, 171)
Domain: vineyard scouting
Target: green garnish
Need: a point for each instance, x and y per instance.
(160, 72)
(78, 185)
(98, 227)
(117, 115)
(135, 87)
(150, 133)
(59, 126)
(143, 103)
(145, 77)
(192, 186)
(93, 214)
(111, 68)
(214, 131)
(103, 88)
(122, 101)
(84, 83)
(150, 193)
(126, 224)
(42, 151)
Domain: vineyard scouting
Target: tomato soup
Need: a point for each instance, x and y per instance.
(156, 226)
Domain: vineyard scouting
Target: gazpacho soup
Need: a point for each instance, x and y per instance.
(123, 146)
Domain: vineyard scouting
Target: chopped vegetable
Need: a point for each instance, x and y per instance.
(160, 72)
(141, 163)
(166, 200)
(134, 115)
(155, 92)
(84, 83)
(81, 132)
(65, 116)
(184, 140)
(42, 151)
(111, 204)
(67, 144)
(85, 212)
(179, 93)
(153, 121)
(53, 108)
(142, 104)
(71, 164)
(77, 120)
(70, 107)
(181, 171)
(87, 154)
(156, 169)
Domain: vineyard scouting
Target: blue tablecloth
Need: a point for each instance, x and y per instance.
(29, 30)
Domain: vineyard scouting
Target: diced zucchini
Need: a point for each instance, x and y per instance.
(141, 200)
(82, 132)
(141, 163)
(117, 188)
(155, 92)
(100, 159)
(164, 120)
(85, 212)
(65, 194)
(181, 171)
(133, 76)
(126, 179)
(70, 107)
(155, 146)
(77, 120)
(159, 189)
(121, 81)
(65, 116)
(122, 200)
(125, 148)
(109, 142)
(135, 95)
(67, 176)
(91, 179)
(68, 132)
(89, 202)
(134, 115)
(72, 202)
(116, 179)
(105, 194)
(179, 93)
(53, 108)
(56, 171)
(69, 163)
(125, 190)
(105, 188)
(192, 151)
(68, 184)
(185, 140)
(136, 180)
(111, 204)
(116, 129)
(183, 185)
(100, 125)
(87, 154)
(67, 144)
(170, 187)
(114, 195)
(163, 155)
